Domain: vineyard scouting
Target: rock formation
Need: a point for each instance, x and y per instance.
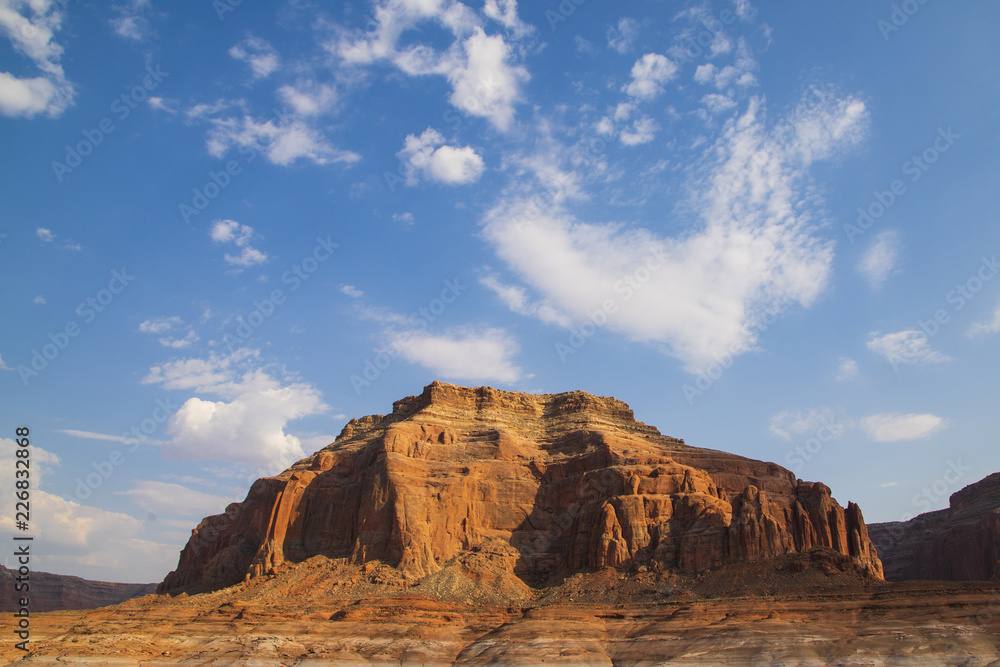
(961, 543)
(51, 592)
(570, 481)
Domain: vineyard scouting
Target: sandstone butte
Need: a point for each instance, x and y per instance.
(569, 481)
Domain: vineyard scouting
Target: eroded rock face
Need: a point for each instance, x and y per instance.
(961, 543)
(569, 481)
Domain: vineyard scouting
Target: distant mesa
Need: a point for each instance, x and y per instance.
(537, 486)
(54, 592)
(960, 543)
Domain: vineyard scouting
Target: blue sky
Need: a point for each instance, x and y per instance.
(229, 227)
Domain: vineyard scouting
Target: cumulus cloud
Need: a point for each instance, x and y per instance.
(880, 259)
(906, 347)
(31, 28)
(484, 79)
(247, 425)
(465, 354)
(702, 295)
(260, 56)
(623, 36)
(649, 74)
(894, 427)
(45, 234)
(230, 231)
(428, 156)
(79, 539)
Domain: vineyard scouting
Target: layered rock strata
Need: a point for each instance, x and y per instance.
(570, 481)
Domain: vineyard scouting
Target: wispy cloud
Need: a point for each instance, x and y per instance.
(260, 56)
(894, 427)
(621, 37)
(880, 259)
(906, 347)
(986, 327)
(756, 247)
(847, 369)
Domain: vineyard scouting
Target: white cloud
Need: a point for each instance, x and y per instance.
(40, 300)
(283, 143)
(164, 498)
(3, 366)
(880, 259)
(516, 298)
(230, 231)
(702, 294)
(125, 440)
(161, 104)
(787, 424)
(643, 131)
(895, 427)
(716, 103)
(847, 369)
(985, 328)
(906, 347)
(623, 36)
(649, 74)
(351, 291)
(309, 98)
(485, 82)
(248, 425)
(45, 234)
(261, 57)
(428, 156)
(81, 540)
(130, 21)
(505, 12)
(32, 34)
(159, 324)
(406, 218)
(465, 354)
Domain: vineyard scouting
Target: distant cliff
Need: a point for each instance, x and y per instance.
(52, 592)
(961, 543)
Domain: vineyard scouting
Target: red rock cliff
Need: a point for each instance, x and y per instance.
(568, 480)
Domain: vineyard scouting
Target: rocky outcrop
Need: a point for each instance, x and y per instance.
(52, 592)
(571, 481)
(961, 543)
